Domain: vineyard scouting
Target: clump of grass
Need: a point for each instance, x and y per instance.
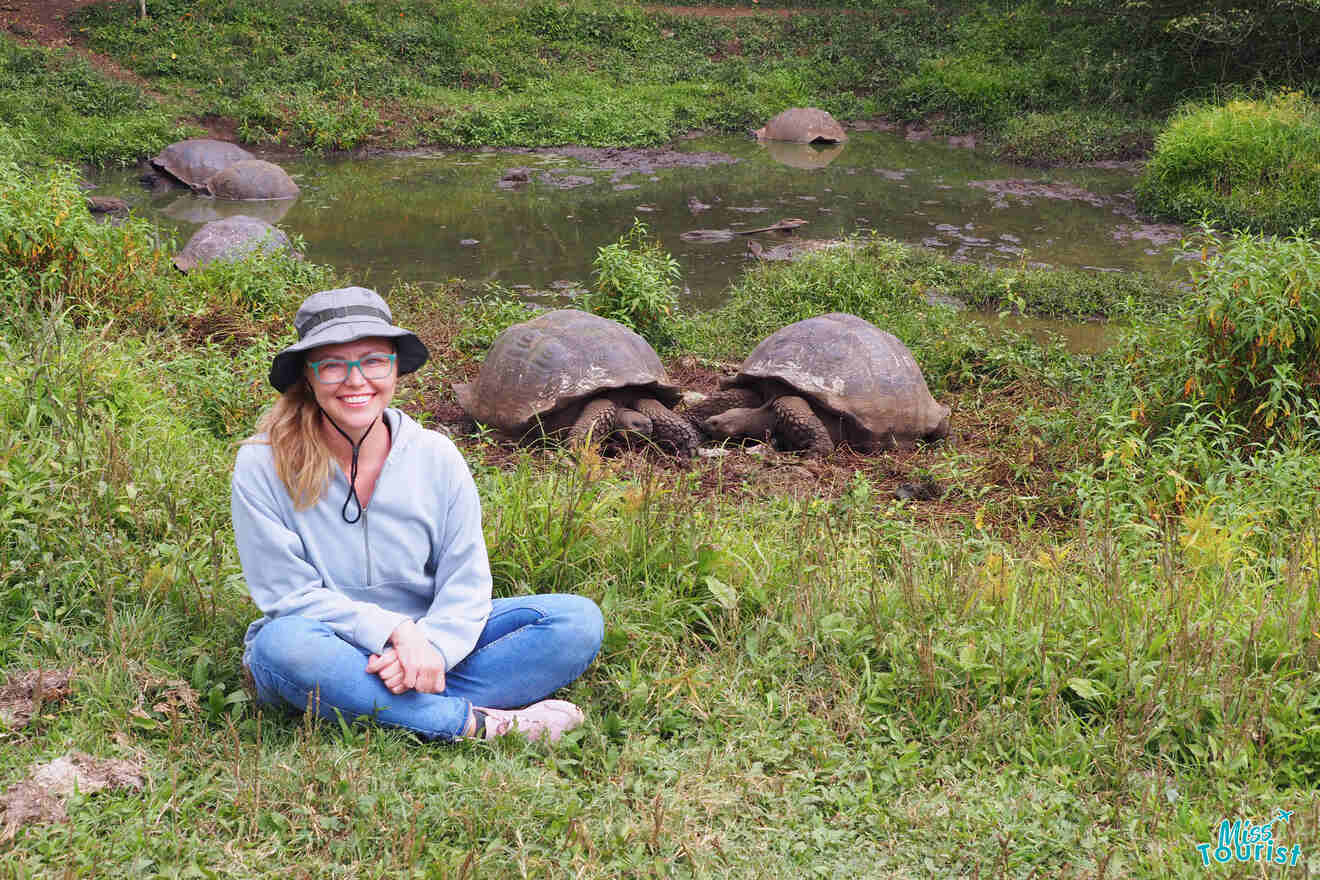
(888, 282)
(484, 317)
(1245, 163)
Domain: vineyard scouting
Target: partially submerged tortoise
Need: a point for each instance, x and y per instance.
(195, 161)
(803, 125)
(252, 179)
(232, 238)
(824, 381)
(574, 374)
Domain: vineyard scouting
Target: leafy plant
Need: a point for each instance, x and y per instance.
(1254, 349)
(636, 285)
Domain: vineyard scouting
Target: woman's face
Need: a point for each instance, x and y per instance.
(357, 401)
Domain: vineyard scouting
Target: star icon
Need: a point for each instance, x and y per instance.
(1284, 816)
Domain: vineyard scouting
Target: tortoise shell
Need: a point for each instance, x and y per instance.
(556, 360)
(195, 161)
(252, 179)
(232, 238)
(803, 125)
(853, 369)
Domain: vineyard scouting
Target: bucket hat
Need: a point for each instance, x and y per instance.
(344, 315)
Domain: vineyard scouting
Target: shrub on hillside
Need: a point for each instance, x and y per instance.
(1246, 163)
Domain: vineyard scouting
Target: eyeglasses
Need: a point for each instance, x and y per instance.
(333, 371)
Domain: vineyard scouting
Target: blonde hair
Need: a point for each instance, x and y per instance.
(291, 427)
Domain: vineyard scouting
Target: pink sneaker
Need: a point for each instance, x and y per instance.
(553, 718)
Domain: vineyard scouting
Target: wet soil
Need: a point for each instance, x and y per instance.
(1027, 191)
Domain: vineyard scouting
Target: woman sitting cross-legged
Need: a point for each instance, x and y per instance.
(360, 537)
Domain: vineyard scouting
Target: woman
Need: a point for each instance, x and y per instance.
(360, 537)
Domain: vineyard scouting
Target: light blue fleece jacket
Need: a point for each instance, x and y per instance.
(417, 552)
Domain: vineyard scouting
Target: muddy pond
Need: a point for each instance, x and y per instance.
(531, 221)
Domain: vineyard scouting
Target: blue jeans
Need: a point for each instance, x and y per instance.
(531, 647)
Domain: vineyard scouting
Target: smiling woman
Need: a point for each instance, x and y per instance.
(380, 606)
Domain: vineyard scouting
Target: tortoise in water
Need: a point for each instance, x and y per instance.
(803, 125)
(232, 238)
(786, 226)
(252, 179)
(568, 372)
(827, 380)
(195, 161)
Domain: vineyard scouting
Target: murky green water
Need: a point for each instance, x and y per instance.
(447, 215)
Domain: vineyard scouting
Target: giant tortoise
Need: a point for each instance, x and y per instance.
(824, 381)
(231, 239)
(195, 161)
(252, 179)
(574, 374)
(803, 125)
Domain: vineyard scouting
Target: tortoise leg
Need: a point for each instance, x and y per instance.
(800, 427)
(719, 401)
(595, 421)
(669, 428)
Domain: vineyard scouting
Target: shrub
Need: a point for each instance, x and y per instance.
(1248, 163)
(52, 250)
(635, 285)
(1253, 352)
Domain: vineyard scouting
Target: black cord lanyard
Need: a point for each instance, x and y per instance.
(352, 470)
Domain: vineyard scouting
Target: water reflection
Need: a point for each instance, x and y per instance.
(192, 208)
(805, 156)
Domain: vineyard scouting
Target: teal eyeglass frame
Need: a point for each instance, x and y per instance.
(316, 367)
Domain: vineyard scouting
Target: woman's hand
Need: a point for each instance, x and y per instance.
(412, 663)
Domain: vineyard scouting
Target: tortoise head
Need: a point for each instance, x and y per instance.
(741, 421)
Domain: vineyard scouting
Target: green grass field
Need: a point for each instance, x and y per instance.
(1096, 645)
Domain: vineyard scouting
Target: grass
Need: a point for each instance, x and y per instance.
(56, 106)
(1245, 163)
(1099, 644)
(398, 73)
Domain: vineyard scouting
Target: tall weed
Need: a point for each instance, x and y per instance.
(1253, 352)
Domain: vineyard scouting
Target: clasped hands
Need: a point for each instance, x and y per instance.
(412, 663)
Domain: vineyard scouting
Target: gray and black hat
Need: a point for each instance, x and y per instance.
(344, 315)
